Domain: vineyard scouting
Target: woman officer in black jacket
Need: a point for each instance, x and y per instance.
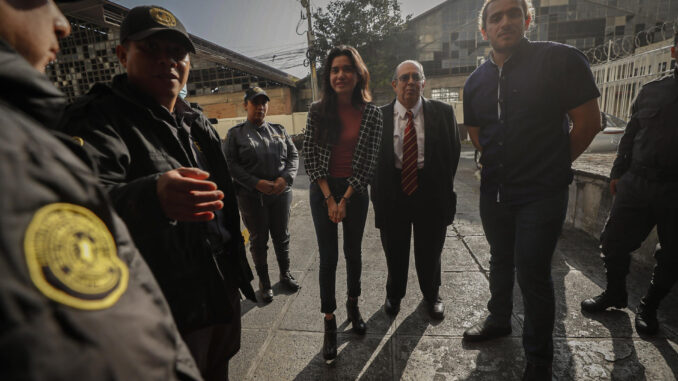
(263, 162)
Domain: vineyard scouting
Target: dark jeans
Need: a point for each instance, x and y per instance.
(263, 214)
(523, 238)
(326, 232)
(638, 206)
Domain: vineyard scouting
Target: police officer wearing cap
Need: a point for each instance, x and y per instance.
(162, 164)
(78, 301)
(263, 162)
(644, 180)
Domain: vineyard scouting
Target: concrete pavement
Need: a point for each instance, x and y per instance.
(283, 340)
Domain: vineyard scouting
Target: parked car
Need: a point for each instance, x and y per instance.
(608, 138)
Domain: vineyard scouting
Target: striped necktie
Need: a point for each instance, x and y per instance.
(409, 173)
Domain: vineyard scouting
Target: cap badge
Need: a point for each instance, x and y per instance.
(163, 17)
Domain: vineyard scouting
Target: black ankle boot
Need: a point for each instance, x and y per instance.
(264, 284)
(646, 315)
(287, 280)
(354, 316)
(330, 340)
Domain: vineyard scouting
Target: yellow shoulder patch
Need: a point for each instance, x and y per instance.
(73, 259)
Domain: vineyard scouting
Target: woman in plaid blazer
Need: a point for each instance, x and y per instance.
(341, 144)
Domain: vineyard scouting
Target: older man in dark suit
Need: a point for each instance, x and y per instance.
(413, 186)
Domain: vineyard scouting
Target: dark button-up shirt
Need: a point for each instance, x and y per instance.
(650, 143)
(262, 152)
(521, 110)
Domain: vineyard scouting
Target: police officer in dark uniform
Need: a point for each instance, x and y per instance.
(77, 300)
(162, 164)
(644, 179)
(263, 161)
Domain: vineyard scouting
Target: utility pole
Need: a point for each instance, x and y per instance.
(311, 41)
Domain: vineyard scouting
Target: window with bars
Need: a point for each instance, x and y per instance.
(446, 94)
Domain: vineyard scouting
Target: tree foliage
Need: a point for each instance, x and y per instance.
(375, 27)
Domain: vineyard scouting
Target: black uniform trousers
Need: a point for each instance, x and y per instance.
(408, 214)
(639, 205)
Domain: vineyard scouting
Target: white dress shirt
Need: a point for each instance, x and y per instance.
(399, 125)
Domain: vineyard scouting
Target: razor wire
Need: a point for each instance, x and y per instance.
(623, 46)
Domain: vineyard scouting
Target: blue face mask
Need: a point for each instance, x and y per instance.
(183, 92)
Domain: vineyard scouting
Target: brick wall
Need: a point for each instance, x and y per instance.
(230, 105)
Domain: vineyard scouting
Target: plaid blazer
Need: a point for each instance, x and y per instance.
(317, 157)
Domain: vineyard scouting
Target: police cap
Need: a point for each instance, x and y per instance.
(254, 92)
(144, 21)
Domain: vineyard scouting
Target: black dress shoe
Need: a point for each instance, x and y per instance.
(486, 330)
(392, 306)
(436, 309)
(646, 320)
(287, 280)
(354, 316)
(616, 299)
(330, 340)
(534, 372)
(266, 292)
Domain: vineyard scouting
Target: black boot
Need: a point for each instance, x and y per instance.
(613, 296)
(330, 340)
(287, 280)
(646, 315)
(264, 284)
(354, 316)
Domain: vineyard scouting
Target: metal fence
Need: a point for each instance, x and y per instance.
(620, 80)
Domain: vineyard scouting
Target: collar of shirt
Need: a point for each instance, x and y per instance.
(260, 127)
(400, 111)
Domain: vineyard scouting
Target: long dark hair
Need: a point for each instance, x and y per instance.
(329, 125)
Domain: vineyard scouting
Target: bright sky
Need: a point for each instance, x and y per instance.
(257, 28)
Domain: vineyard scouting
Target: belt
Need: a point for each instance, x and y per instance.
(654, 174)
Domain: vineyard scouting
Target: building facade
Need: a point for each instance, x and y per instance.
(450, 46)
(218, 75)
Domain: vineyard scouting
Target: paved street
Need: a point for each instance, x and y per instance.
(283, 340)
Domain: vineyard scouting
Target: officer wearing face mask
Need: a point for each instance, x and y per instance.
(162, 164)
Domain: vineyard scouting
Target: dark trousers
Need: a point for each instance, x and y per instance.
(263, 215)
(410, 213)
(212, 347)
(522, 239)
(326, 232)
(639, 205)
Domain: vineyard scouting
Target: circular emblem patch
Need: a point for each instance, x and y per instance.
(163, 17)
(72, 257)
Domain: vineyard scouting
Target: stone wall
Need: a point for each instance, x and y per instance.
(590, 201)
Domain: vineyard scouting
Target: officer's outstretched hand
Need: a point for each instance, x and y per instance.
(613, 186)
(186, 195)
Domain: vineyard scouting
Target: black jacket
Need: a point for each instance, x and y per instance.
(441, 157)
(649, 145)
(133, 140)
(77, 301)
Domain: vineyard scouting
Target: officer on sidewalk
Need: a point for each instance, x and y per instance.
(77, 300)
(264, 161)
(162, 164)
(644, 180)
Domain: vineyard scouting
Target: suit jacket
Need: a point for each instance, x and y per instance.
(441, 157)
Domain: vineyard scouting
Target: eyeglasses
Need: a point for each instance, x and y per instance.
(416, 77)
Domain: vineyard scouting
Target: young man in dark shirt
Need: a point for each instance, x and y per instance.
(516, 107)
